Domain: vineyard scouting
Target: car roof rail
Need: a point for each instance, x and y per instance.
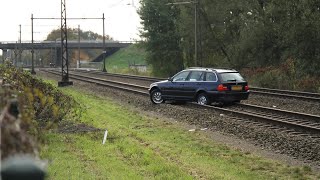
(196, 68)
(224, 68)
(203, 68)
(212, 68)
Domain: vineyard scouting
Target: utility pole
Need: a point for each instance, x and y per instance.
(15, 51)
(64, 48)
(32, 50)
(20, 48)
(195, 3)
(200, 49)
(104, 47)
(79, 66)
(195, 33)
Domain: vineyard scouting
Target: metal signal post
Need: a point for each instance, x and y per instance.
(64, 48)
(79, 66)
(195, 3)
(104, 47)
(32, 50)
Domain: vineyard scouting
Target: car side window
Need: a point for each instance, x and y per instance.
(181, 76)
(211, 76)
(196, 76)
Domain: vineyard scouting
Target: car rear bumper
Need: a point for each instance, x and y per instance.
(216, 96)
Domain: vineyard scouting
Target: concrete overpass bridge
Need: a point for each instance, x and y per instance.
(57, 44)
(110, 46)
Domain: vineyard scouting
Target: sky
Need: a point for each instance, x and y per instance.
(121, 19)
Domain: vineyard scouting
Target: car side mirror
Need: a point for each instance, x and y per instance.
(170, 79)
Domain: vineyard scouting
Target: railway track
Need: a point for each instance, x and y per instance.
(290, 118)
(107, 83)
(286, 93)
(292, 122)
(307, 96)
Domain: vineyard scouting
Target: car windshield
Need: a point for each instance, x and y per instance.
(181, 76)
(227, 77)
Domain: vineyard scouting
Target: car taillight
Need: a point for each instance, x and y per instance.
(222, 88)
(246, 88)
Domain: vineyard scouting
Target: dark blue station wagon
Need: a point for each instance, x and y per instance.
(203, 85)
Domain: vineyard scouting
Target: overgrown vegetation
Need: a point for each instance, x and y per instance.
(254, 34)
(283, 76)
(37, 106)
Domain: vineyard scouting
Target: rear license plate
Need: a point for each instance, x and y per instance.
(236, 88)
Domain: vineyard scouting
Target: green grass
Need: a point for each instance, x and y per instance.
(142, 147)
(119, 61)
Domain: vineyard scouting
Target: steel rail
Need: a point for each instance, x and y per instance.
(314, 128)
(266, 119)
(103, 82)
(284, 112)
(285, 93)
(290, 117)
(110, 81)
(143, 78)
(301, 93)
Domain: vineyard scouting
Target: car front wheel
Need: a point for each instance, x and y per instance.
(202, 99)
(156, 96)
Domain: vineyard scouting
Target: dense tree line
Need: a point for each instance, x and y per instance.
(234, 33)
(163, 38)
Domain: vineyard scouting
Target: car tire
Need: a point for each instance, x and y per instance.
(203, 99)
(156, 96)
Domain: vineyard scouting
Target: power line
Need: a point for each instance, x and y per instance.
(45, 25)
(52, 18)
(115, 4)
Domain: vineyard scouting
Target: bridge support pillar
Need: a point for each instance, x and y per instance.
(4, 55)
(58, 58)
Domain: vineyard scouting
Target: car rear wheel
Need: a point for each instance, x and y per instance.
(156, 96)
(202, 99)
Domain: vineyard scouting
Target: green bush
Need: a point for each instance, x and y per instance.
(40, 106)
(281, 77)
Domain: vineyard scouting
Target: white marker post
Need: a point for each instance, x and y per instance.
(105, 137)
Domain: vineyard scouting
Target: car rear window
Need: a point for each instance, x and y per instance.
(232, 76)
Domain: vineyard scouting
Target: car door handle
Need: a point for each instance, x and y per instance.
(198, 84)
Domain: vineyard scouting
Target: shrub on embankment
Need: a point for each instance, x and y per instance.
(285, 76)
(29, 106)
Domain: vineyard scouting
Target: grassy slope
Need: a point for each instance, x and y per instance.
(141, 147)
(119, 61)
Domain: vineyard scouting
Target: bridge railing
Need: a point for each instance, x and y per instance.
(69, 41)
